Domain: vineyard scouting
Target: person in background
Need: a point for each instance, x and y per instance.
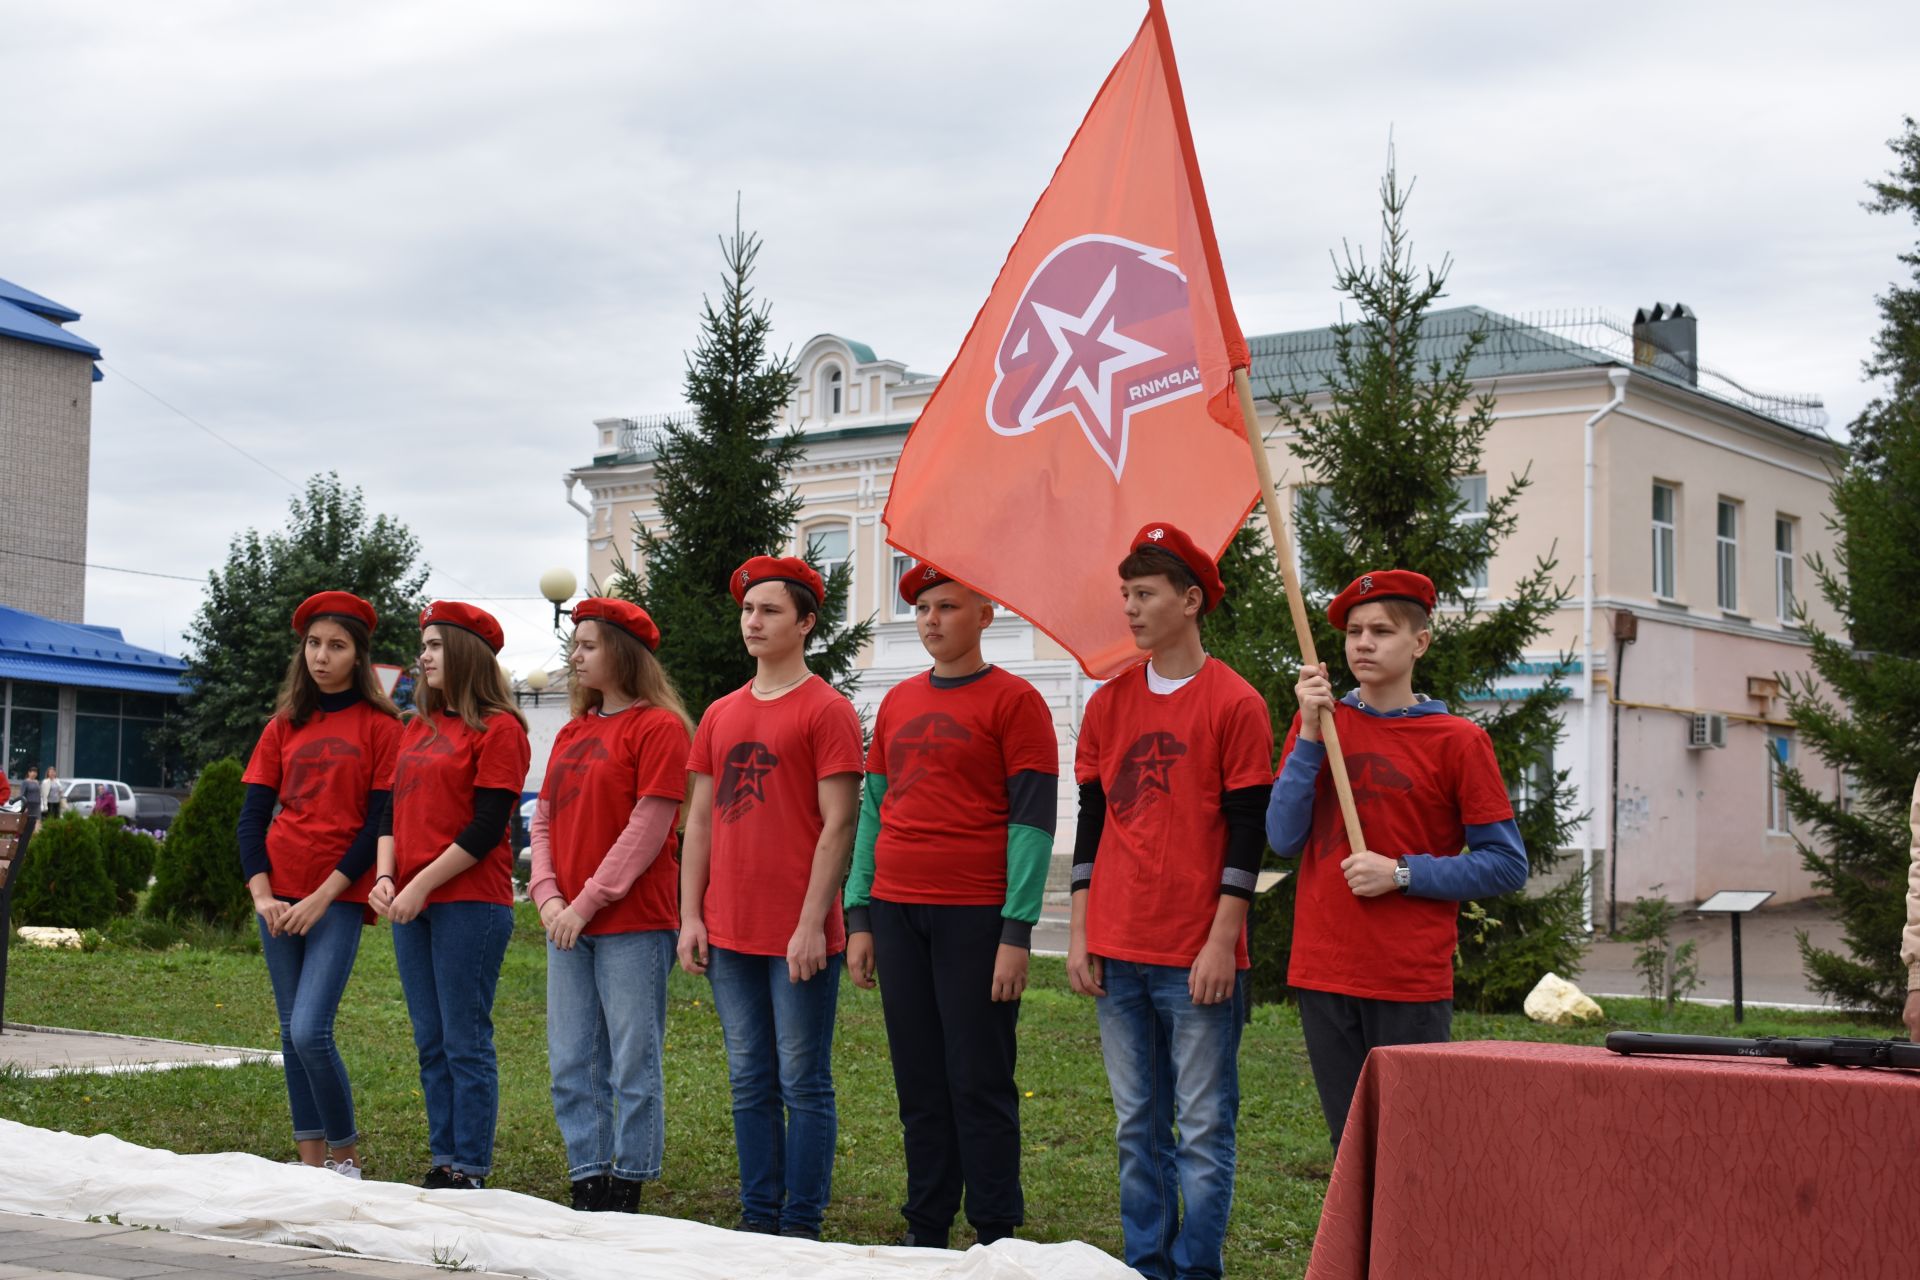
(52, 795)
(106, 804)
(1910, 938)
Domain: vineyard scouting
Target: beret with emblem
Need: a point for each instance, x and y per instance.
(776, 569)
(624, 614)
(1160, 535)
(918, 578)
(451, 613)
(1382, 584)
(338, 604)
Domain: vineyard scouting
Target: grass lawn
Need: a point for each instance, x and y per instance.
(222, 996)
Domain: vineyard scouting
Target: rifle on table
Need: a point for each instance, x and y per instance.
(1799, 1051)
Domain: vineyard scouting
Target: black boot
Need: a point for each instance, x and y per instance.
(590, 1194)
(623, 1196)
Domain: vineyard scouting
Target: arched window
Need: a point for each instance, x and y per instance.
(833, 391)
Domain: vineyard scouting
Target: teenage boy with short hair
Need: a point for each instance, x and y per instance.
(770, 818)
(949, 869)
(1175, 766)
(1374, 931)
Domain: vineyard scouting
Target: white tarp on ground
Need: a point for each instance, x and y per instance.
(242, 1197)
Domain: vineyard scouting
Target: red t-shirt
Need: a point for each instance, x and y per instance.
(766, 759)
(440, 767)
(322, 772)
(1418, 782)
(1164, 761)
(947, 754)
(600, 768)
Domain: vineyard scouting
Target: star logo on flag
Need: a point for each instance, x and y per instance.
(1102, 332)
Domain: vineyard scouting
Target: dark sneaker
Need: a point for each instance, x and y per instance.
(438, 1177)
(991, 1231)
(756, 1228)
(458, 1181)
(801, 1233)
(590, 1194)
(921, 1240)
(623, 1196)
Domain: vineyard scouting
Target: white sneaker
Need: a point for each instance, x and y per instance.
(346, 1168)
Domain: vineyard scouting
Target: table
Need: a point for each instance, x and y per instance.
(1498, 1159)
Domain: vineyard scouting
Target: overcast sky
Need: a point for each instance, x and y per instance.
(426, 244)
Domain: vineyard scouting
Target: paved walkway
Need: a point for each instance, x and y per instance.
(32, 1246)
(45, 1051)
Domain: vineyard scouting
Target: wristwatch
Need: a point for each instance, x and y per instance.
(1402, 874)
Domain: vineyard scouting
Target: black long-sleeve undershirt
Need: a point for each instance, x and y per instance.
(1245, 809)
(256, 815)
(492, 810)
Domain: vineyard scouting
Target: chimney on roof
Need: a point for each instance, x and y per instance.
(1668, 339)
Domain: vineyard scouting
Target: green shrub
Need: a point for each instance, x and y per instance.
(128, 856)
(64, 880)
(198, 874)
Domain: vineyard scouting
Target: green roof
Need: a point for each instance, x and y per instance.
(1301, 362)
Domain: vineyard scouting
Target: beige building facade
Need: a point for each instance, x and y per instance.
(1688, 531)
(46, 424)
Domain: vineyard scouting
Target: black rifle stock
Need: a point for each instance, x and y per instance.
(1799, 1051)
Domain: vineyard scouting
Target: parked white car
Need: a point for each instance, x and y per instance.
(80, 793)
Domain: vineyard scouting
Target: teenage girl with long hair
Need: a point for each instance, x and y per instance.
(607, 885)
(326, 758)
(446, 878)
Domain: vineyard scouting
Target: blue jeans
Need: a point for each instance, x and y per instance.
(606, 1021)
(449, 960)
(309, 974)
(1171, 1061)
(779, 1038)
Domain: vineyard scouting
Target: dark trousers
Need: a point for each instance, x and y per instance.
(953, 1064)
(1340, 1029)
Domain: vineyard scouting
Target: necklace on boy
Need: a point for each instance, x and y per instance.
(768, 693)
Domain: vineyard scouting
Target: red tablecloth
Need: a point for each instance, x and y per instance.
(1502, 1160)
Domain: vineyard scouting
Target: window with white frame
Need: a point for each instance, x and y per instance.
(832, 391)
(830, 546)
(1534, 782)
(1779, 757)
(899, 564)
(1726, 555)
(1474, 490)
(1665, 567)
(1783, 599)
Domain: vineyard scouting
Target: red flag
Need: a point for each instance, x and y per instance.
(1094, 392)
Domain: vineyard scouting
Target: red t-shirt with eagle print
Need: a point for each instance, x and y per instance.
(1164, 761)
(600, 768)
(322, 771)
(947, 754)
(440, 767)
(766, 758)
(1418, 783)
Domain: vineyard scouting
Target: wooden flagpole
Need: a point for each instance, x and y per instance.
(1283, 552)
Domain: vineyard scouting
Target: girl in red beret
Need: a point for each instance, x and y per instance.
(326, 760)
(446, 878)
(606, 880)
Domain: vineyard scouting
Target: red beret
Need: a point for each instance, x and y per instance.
(624, 614)
(918, 578)
(342, 604)
(776, 569)
(1382, 584)
(1165, 537)
(451, 613)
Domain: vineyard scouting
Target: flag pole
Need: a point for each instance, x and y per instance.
(1283, 552)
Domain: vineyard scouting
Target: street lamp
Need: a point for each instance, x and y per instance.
(558, 585)
(536, 680)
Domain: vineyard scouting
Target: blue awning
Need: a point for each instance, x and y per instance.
(82, 656)
(87, 675)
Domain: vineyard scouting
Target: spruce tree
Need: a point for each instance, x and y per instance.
(721, 485)
(1859, 712)
(241, 638)
(1385, 450)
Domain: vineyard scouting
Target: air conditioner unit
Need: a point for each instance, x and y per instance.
(1706, 730)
